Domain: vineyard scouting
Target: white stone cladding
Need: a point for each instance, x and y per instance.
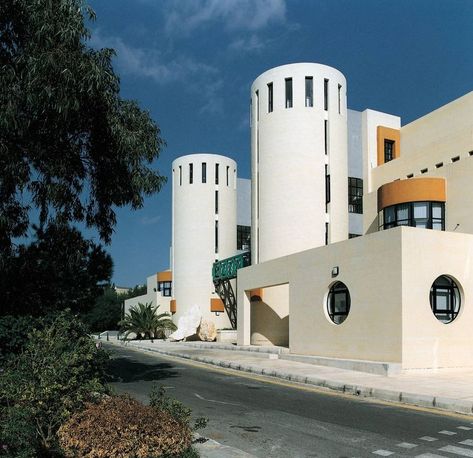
(288, 162)
(193, 230)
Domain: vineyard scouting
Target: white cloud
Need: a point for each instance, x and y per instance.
(184, 16)
(150, 63)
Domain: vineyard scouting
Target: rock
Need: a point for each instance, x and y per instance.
(187, 324)
(207, 331)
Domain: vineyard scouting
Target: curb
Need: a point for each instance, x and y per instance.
(422, 400)
(209, 448)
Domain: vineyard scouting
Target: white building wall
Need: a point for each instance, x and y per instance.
(243, 202)
(152, 295)
(193, 231)
(355, 164)
(288, 162)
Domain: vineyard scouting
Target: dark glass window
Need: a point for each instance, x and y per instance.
(180, 175)
(216, 236)
(326, 233)
(445, 299)
(325, 95)
(216, 202)
(165, 287)
(288, 92)
(270, 97)
(216, 173)
(352, 236)
(204, 172)
(243, 237)
(427, 215)
(309, 91)
(338, 303)
(355, 195)
(191, 173)
(228, 168)
(339, 99)
(327, 187)
(388, 150)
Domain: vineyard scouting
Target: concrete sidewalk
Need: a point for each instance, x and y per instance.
(448, 389)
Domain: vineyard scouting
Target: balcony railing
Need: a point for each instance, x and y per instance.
(226, 269)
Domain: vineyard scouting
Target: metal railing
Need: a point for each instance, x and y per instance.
(226, 269)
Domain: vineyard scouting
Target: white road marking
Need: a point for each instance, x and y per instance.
(457, 450)
(429, 455)
(428, 438)
(447, 433)
(406, 445)
(216, 402)
(383, 453)
(467, 442)
(465, 428)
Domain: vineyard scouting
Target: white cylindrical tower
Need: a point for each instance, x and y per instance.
(299, 159)
(203, 229)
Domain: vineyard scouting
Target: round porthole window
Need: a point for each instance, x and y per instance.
(445, 299)
(338, 302)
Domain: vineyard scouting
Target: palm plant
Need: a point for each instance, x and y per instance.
(144, 321)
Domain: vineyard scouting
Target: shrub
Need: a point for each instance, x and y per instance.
(59, 371)
(14, 333)
(124, 428)
(144, 321)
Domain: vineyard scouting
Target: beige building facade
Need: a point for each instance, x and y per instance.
(402, 292)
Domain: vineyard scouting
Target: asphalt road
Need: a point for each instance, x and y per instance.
(271, 419)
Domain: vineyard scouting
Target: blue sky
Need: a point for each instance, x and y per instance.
(191, 64)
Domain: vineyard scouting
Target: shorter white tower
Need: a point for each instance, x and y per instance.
(204, 210)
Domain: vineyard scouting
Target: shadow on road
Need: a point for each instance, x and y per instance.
(123, 370)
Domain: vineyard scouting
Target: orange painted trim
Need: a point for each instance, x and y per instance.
(172, 306)
(256, 292)
(386, 133)
(216, 305)
(412, 190)
(166, 275)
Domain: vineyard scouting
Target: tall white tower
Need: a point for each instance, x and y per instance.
(299, 159)
(204, 200)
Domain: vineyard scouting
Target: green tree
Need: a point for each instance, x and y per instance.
(59, 269)
(59, 371)
(144, 321)
(70, 146)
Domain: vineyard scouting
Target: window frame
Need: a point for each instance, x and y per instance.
(309, 91)
(338, 288)
(410, 220)
(454, 296)
(388, 155)
(355, 200)
(289, 93)
(270, 97)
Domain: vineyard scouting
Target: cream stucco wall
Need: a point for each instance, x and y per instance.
(389, 275)
(288, 162)
(152, 295)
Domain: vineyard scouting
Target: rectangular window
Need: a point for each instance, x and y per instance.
(191, 173)
(216, 236)
(353, 236)
(216, 173)
(243, 237)
(326, 136)
(180, 175)
(327, 187)
(355, 195)
(325, 94)
(270, 97)
(424, 170)
(204, 172)
(257, 105)
(216, 202)
(455, 159)
(228, 169)
(288, 92)
(326, 233)
(165, 287)
(339, 99)
(309, 91)
(388, 150)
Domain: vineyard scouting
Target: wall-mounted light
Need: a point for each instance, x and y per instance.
(334, 271)
(217, 313)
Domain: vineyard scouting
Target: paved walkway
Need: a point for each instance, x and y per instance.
(449, 389)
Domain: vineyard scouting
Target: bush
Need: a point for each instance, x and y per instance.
(58, 372)
(14, 334)
(124, 428)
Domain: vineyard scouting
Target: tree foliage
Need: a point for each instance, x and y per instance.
(144, 321)
(59, 269)
(59, 371)
(70, 146)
